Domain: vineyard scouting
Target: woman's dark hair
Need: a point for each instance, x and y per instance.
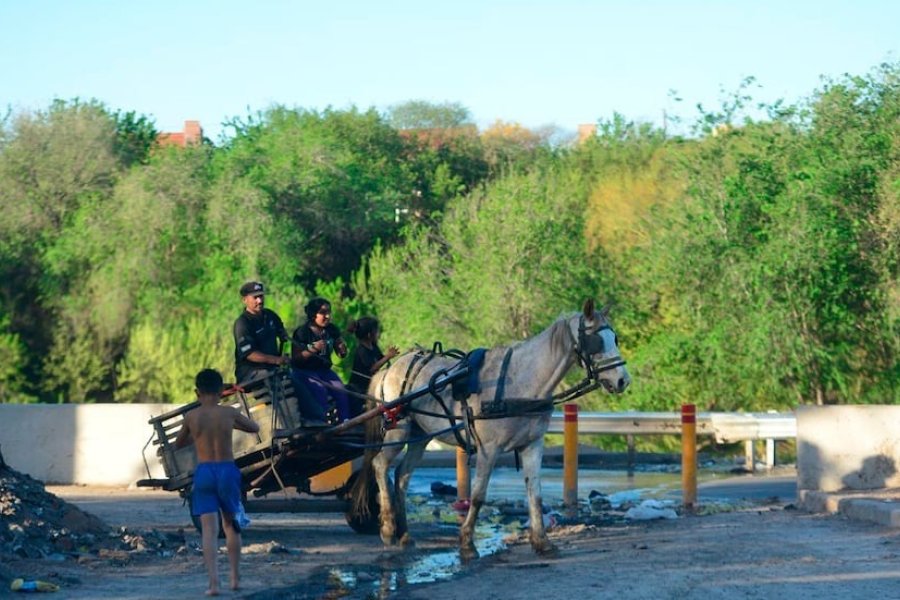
(314, 306)
(363, 328)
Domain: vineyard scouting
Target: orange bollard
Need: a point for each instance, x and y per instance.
(570, 455)
(689, 455)
(463, 477)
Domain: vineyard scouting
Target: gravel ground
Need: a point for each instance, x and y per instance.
(751, 551)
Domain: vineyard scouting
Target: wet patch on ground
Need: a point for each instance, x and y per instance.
(396, 569)
(501, 524)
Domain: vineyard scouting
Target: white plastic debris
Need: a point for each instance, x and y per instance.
(617, 499)
(550, 521)
(649, 510)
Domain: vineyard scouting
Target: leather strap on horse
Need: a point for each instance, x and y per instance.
(394, 415)
(435, 393)
(421, 359)
(498, 406)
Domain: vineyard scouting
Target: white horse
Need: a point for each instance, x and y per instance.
(509, 411)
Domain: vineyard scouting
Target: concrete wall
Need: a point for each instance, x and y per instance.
(91, 444)
(848, 447)
(838, 447)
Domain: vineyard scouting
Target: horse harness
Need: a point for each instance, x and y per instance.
(500, 407)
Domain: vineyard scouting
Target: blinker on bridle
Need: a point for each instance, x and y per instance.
(591, 344)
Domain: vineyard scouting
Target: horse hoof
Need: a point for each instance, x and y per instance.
(468, 554)
(547, 550)
(406, 541)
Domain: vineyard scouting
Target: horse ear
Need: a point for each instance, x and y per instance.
(604, 312)
(588, 308)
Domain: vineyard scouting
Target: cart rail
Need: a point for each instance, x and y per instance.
(282, 453)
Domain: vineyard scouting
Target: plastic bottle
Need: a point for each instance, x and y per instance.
(29, 586)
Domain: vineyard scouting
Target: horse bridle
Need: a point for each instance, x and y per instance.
(589, 344)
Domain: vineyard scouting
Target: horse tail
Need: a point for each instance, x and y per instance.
(363, 484)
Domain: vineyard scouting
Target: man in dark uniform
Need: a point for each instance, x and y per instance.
(258, 333)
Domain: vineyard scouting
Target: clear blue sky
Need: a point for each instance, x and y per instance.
(554, 62)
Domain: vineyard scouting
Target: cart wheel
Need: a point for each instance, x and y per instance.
(368, 523)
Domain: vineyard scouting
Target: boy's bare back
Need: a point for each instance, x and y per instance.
(210, 427)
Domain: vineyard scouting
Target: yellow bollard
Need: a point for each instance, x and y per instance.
(689, 455)
(570, 455)
(462, 475)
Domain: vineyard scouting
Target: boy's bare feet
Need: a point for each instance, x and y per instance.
(212, 592)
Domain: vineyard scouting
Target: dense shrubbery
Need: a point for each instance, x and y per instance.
(753, 264)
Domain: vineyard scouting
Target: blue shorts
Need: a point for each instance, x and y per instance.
(217, 486)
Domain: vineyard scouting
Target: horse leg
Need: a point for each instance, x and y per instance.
(484, 465)
(402, 477)
(532, 457)
(381, 464)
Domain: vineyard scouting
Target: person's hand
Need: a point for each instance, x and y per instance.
(341, 349)
(283, 360)
(317, 346)
(392, 351)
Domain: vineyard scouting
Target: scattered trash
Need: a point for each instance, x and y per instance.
(649, 510)
(23, 585)
(36, 524)
(599, 502)
(550, 521)
(461, 505)
(241, 517)
(439, 488)
(624, 497)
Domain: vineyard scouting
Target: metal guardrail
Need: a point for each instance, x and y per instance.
(725, 427)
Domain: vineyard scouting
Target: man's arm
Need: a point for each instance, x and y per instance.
(268, 359)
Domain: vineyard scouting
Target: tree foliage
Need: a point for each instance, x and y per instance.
(752, 264)
(421, 114)
(501, 265)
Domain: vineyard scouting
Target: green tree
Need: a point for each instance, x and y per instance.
(51, 163)
(421, 114)
(333, 181)
(776, 296)
(135, 137)
(500, 266)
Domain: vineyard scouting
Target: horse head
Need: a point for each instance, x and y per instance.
(597, 348)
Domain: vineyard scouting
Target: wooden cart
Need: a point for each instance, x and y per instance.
(286, 453)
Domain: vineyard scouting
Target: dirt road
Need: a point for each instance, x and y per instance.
(765, 551)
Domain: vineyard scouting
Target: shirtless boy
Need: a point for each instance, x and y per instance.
(217, 480)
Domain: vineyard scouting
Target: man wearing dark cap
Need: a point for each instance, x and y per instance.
(258, 333)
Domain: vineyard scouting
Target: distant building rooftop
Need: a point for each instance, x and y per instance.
(586, 131)
(192, 134)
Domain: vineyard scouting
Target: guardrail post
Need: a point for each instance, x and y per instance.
(463, 476)
(689, 455)
(770, 453)
(570, 455)
(749, 456)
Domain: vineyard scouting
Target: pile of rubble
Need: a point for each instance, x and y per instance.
(35, 524)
